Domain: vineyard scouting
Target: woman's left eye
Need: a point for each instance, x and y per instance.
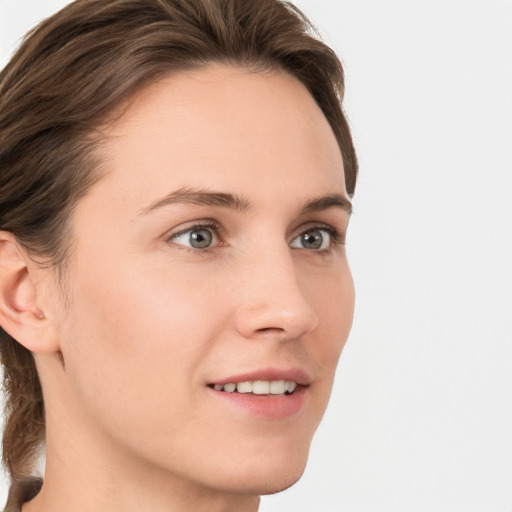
(198, 237)
(315, 239)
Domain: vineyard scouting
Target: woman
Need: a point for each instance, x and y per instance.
(175, 179)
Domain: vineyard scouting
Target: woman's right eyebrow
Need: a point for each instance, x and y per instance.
(200, 197)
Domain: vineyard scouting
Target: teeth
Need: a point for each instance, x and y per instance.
(277, 387)
(244, 387)
(290, 386)
(229, 387)
(259, 387)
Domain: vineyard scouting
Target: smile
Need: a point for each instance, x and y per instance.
(269, 393)
(258, 387)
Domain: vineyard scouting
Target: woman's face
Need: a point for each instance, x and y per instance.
(210, 255)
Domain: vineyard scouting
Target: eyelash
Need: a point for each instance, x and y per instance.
(337, 239)
(207, 224)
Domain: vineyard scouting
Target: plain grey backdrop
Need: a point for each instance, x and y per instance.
(421, 415)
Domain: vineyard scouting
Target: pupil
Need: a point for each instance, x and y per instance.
(201, 238)
(313, 239)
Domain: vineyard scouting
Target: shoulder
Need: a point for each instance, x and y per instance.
(22, 491)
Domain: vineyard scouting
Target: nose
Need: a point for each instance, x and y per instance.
(272, 302)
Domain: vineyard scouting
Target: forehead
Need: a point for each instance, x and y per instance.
(222, 127)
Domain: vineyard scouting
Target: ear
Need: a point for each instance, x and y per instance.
(21, 314)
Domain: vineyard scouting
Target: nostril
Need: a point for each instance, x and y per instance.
(280, 319)
(270, 329)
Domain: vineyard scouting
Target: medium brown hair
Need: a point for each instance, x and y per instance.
(68, 75)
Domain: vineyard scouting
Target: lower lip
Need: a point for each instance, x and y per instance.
(274, 407)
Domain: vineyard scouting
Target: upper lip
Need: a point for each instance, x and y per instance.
(269, 374)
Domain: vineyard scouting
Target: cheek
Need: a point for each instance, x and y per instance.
(334, 303)
(340, 311)
(136, 342)
(332, 297)
(133, 310)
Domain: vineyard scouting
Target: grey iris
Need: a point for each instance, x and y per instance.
(201, 238)
(312, 239)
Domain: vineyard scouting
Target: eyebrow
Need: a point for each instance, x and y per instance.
(326, 202)
(202, 198)
(240, 203)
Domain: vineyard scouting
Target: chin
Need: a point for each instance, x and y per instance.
(270, 484)
(275, 485)
(268, 476)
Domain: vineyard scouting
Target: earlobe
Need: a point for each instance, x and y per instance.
(21, 315)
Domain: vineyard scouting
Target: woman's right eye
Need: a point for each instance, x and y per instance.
(197, 237)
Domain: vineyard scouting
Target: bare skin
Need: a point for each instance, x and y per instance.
(171, 290)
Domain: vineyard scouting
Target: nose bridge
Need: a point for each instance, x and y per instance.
(273, 300)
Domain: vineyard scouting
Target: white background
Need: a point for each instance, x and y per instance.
(421, 415)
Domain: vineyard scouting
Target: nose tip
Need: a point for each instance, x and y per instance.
(278, 323)
(286, 322)
(275, 306)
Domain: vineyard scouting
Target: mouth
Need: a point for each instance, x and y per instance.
(271, 394)
(258, 387)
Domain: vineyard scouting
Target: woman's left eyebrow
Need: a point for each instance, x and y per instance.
(326, 202)
(240, 203)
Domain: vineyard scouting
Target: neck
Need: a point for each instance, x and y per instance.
(96, 483)
(88, 471)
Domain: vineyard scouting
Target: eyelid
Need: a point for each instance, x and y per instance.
(338, 237)
(193, 225)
